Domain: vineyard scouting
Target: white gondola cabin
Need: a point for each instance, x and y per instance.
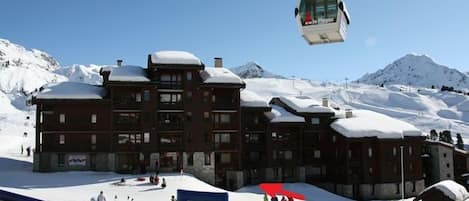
(322, 21)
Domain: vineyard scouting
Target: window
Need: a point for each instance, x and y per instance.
(170, 98)
(93, 118)
(274, 135)
(252, 138)
(448, 175)
(170, 78)
(41, 117)
(61, 160)
(222, 138)
(315, 121)
(398, 189)
(171, 121)
(256, 120)
(274, 154)
(129, 139)
(334, 138)
(61, 139)
(189, 76)
(370, 171)
(444, 155)
(394, 151)
(146, 95)
(214, 98)
(138, 97)
(410, 150)
(225, 158)
(447, 165)
(370, 152)
(220, 119)
(288, 155)
(62, 118)
(189, 116)
(146, 137)
(206, 115)
(207, 160)
(170, 139)
(317, 154)
(127, 118)
(93, 139)
(190, 159)
(411, 167)
(349, 153)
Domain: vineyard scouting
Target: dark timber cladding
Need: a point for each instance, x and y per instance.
(177, 114)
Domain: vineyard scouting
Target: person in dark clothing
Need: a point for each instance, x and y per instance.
(274, 198)
(163, 185)
(28, 151)
(22, 149)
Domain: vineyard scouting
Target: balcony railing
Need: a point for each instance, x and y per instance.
(170, 126)
(170, 85)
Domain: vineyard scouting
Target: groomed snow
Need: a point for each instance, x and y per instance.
(128, 74)
(365, 123)
(220, 75)
(280, 115)
(451, 189)
(304, 104)
(251, 99)
(72, 90)
(175, 57)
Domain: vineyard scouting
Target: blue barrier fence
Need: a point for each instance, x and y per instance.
(184, 195)
(9, 196)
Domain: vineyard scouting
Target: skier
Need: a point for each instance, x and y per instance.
(22, 149)
(290, 199)
(265, 197)
(157, 167)
(172, 198)
(284, 198)
(28, 151)
(163, 185)
(101, 196)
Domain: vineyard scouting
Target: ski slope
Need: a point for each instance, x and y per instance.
(425, 108)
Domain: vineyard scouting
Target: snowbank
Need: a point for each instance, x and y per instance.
(251, 99)
(220, 75)
(280, 115)
(72, 90)
(366, 123)
(304, 104)
(175, 57)
(450, 188)
(128, 74)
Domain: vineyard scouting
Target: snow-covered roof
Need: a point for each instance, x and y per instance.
(251, 99)
(280, 115)
(220, 75)
(305, 104)
(175, 57)
(72, 90)
(365, 123)
(450, 188)
(128, 74)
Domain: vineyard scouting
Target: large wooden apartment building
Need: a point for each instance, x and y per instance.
(178, 114)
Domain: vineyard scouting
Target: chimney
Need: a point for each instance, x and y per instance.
(325, 102)
(218, 62)
(119, 62)
(348, 113)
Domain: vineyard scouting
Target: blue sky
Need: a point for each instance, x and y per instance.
(100, 31)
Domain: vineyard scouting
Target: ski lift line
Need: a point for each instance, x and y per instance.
(322, 21)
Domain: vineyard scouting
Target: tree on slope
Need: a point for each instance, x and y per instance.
(445, 136)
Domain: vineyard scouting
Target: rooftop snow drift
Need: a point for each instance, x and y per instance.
(365, 123)
(280, 115)
(128, 74)
(251, 99)
(220, 75)
(175, 57)
(304, 104)
(72, 90)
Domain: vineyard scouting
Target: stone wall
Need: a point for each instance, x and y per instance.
(199, 169)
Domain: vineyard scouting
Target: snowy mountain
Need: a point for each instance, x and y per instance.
(23, 71)
(81, 73)
(417, 70)
(253, 70)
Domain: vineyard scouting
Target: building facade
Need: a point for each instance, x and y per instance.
(176, 114)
